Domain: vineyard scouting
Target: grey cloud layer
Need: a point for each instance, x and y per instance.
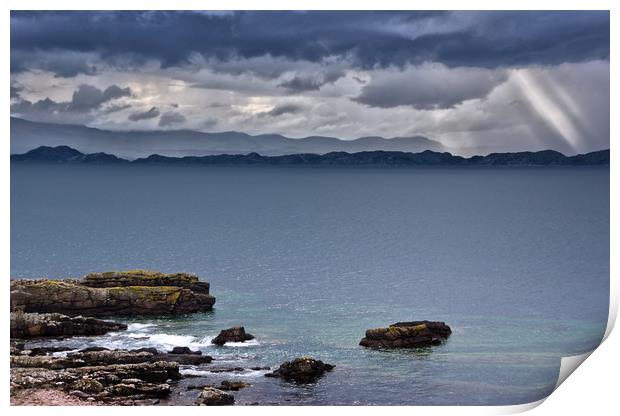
(369, 39)
(429, 87)
(170, 118)
(85, 99)
(153, 112)
(476, 81)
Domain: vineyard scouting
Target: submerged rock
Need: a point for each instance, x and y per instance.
(234, 334)
(29, 325)
(301, 370)
(228, 385)
(210, 396)
(225, 385)
(407, 335)
(114, 293)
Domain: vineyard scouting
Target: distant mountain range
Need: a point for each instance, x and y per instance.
(66, 154)
(26, 135)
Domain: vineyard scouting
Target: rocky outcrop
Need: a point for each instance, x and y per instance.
(301, 370)
(134, 292)
(105, 356)
(407, 335)
(98, 357)
(210, 396)
(145, 278)
(113, 383)
(29, 325)
(234, 334)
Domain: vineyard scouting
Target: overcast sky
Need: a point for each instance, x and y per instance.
(478, 82)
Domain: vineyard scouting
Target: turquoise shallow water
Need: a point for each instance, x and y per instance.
(515, 260)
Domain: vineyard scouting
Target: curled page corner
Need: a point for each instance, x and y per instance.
(568, 365)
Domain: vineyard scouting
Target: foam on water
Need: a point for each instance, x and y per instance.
(140, 335)
(244, 374)
(245, 344)
(139, 327)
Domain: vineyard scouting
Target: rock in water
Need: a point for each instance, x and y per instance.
(228, 385)
(210, 396)
(407, 335)
(135, 292)
(301, 370)
(29, 325)
(234, 334)
(184, 350)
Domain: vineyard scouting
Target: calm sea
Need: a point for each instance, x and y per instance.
(515, 260)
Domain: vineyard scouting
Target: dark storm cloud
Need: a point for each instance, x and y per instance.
(116, 107)
(307, 83)
(288, 108)
(144, 115)
(297, 84)
(369, 39)
(85, 99)
(171, 117)
(429, 87)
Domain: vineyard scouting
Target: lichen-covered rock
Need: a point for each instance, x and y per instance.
(88, 385)
(407, 335)
(145, 278)
(29, 325)
(107, 357)
(210, 396)
(113, 293)
(137, 387)
(142, 380)
(41, 361)
(234, 334)
(301, 370)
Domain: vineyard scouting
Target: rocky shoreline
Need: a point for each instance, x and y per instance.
(135, 292)
(45, 372)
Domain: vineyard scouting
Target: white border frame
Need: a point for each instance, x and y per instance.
(592, 390)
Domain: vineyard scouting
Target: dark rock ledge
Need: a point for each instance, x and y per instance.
(134, 292)
(111, 384)
(29, 325)
(407, 335)
(301, 370)
(100, 375)
(234, 334)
